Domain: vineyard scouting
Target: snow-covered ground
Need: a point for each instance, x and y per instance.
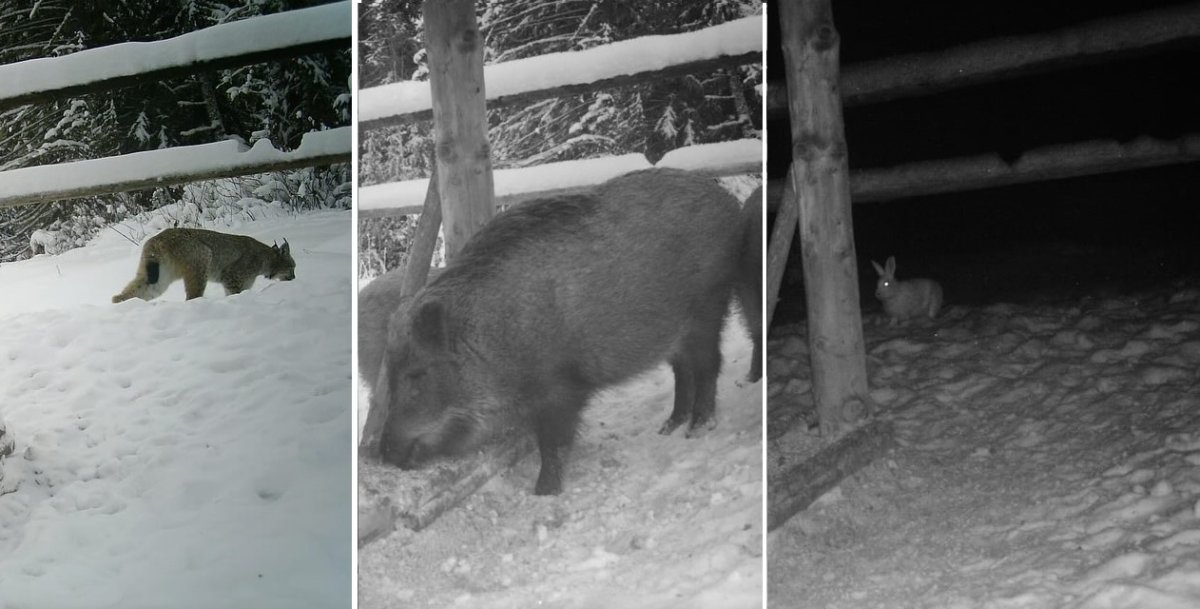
(1049, 457)
(646, 521)
(178, 454)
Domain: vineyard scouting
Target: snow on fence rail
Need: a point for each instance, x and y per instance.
(733, 43)
(228, 45)
(178, 165)
(513, 186)
(1056, 162)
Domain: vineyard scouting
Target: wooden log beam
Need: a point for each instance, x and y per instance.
(989, 171)
(166, 167)
(820, 177)
(320, 29)
(389, 497)
(801, 479)
(464, 164)
(1010, 57)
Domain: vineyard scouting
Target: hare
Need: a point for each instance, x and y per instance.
(903, 300)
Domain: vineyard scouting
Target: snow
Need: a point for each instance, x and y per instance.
(172, 453)
(218, 159)
(646, 521)
(721, 158)
(253, 35)
(738, 156)
(1048, 457)
(555, 70)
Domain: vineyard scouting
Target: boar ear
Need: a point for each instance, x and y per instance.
(429, 326)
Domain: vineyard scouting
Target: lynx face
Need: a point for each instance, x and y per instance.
(282, 268)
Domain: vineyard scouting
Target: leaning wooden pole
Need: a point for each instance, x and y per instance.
(464, 167)
(820, 177)
(416, 271)
(780, 245)
(420, 254)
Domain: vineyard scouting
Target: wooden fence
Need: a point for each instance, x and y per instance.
(238, 43)
(1004, 59)
(622, 63)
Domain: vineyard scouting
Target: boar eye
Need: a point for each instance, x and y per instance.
(415, 375)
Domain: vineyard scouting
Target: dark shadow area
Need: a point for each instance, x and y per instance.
(1048, 241)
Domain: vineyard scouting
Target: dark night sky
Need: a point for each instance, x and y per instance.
(1046, 241)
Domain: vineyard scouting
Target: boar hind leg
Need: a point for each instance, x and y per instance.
(706, 363)
(750, 300)
(696, 367)
(685, 394)
(555, 424)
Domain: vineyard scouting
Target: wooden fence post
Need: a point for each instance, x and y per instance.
(820, 179)
(464, 166)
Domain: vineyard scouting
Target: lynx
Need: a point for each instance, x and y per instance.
(198, 255)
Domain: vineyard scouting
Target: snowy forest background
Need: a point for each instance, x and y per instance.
(652, 118)
(279, 101)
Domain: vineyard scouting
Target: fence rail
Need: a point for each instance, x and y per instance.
(167, 167)
(514, 186)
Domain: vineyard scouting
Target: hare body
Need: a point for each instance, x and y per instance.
(904, 300)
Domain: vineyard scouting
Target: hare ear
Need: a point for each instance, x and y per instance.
(891, 265)
(878, 269)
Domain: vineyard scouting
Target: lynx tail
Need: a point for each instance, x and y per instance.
(145, 285)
